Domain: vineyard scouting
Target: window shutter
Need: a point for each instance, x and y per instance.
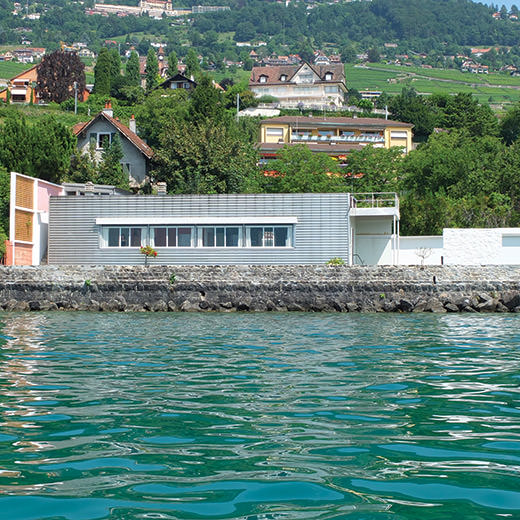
(92, 137)
(112, 137)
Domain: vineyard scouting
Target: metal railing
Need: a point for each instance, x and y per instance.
(385, 199)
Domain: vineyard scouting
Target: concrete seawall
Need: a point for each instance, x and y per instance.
(262, 288)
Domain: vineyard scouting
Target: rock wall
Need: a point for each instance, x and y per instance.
(262, 288)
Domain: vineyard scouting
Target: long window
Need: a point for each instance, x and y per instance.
(172, 236)
(198, 236)
(124, 237)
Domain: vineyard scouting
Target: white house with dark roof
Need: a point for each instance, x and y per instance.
(301, 86)
(101, 130)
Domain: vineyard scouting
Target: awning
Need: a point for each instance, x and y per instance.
(18, 92)
(187, 221)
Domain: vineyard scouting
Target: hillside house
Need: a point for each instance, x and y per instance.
(301, 86)
(335, 136)
(101, 130)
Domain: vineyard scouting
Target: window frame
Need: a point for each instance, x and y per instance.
(105, 237)
(289, 240)
(200, 241)
(193, 237)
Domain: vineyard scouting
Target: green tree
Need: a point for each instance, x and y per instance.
(115, 64)
(192, 64)
(365, 105)
(173, 63)
(411, 108)
(52, 149)
(159, 109)
(152, 70)
(14, 131)
(132, 70)
(348, 53)
(298, 170)
(57, 74)
(206, 102)
(375, 169)
(373, 55)
(510, 125)
(306, 51)
(110, 170)
(102, 73)
(205, 157)
(464, 111)
(5, 192)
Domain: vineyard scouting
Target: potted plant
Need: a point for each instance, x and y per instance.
(147, 251)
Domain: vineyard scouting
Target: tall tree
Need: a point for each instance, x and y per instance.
(152, 70)
(102, 73)
(110, 170)
(13, 132)
(132, 70)
(173, 63)
(206, 102)
(115, 64)
(192, 63)
(510, 125)
(53, 147)
(57, 74)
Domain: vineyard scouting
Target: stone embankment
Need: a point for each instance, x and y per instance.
(262, 288)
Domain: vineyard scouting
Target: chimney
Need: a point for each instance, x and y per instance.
(108, 109)
(161, 188)
(89, 188)
(132, 125)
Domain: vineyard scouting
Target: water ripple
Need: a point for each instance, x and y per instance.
(261, 416)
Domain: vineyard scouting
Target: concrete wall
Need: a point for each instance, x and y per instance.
(261, 288)
(409, 247)
(496, 246)
(372, 242)
(458, 246)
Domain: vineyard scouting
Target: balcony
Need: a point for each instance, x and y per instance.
(376, 204)
(361, 138)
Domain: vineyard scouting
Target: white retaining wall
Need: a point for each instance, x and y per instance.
(461, 246)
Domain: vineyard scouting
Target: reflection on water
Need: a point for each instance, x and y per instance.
(259, 416)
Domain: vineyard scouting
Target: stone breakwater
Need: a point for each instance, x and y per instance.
(262, 288)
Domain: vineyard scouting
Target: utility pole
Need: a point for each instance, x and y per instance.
(75, 98)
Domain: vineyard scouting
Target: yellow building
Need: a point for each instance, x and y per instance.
(335, 136)
(21, 87)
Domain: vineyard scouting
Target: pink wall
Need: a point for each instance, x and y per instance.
(45, 191)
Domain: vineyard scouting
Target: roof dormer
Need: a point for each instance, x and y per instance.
(262, 79)
(328, 76)
(283, 77)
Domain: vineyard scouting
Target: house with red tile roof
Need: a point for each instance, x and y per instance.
(100, 132)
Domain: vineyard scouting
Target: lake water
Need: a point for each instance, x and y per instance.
(259, 416)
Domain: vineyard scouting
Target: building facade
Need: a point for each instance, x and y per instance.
(99, 132)
(200, 229)
(336, 136)
(301, 86)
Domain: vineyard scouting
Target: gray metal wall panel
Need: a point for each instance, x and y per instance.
(322, 231)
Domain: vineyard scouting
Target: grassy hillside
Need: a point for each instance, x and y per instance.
(8, 69)
(391, 79)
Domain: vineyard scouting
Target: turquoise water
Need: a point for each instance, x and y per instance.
(259, 416)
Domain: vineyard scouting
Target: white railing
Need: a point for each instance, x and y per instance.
(362, 138)
(386, 199)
